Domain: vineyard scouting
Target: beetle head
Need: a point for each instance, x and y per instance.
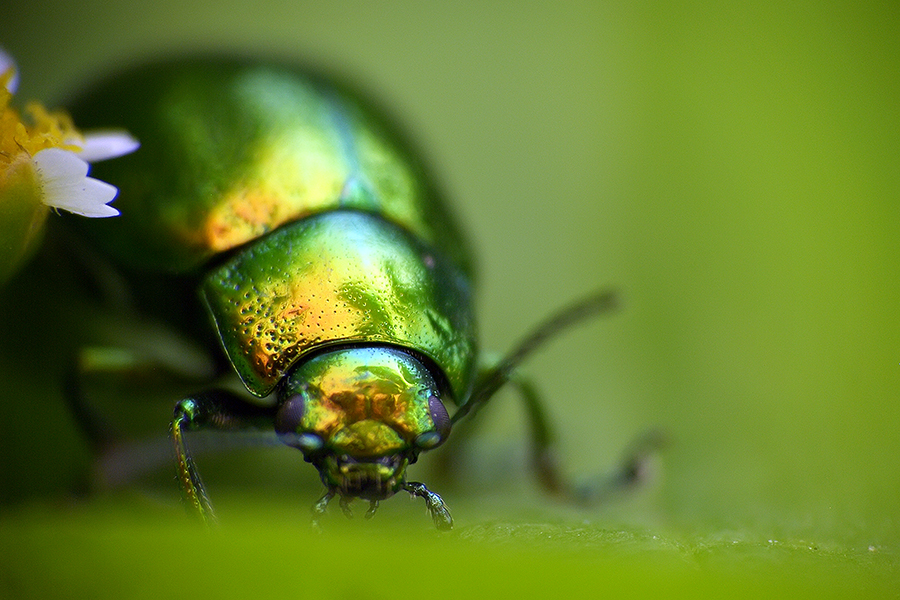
(361, 415)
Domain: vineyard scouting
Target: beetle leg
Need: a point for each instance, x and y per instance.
(191, 485)
(373, 506)
(216, 409)
(630, 470)
(433, 502)
(496, 377)
(345, 507)
(320, 507)
(98, 433)
(117, 458)
(544, 459)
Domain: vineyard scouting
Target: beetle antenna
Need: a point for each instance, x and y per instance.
(492, 380)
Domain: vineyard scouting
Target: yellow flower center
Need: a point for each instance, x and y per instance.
(46, 129)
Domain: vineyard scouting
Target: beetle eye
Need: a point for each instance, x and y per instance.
(440, 418)
(290, 416)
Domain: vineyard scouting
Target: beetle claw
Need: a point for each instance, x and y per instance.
(320, 507)
(440, 514)
(345, 507)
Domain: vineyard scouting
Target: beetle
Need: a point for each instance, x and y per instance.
(333, 278)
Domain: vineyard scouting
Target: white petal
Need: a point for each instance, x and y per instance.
(101, 145)
(65, 184)
(6, 63)
(57, 164)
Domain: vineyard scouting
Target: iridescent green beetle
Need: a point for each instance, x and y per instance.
(334, 278)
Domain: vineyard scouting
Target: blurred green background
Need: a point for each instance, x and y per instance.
(732, 169)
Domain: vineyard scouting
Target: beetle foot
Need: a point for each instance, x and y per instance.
(319, 508)
(373, 506)
(636, 468)
(345, 507)
(440, 514)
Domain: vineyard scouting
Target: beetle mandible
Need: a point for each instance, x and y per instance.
(332, 274)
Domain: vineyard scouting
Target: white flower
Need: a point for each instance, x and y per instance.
(101, 145)
(7, 65)
(64, 184)
(44, 165)
(63, 173)
(59, 153)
